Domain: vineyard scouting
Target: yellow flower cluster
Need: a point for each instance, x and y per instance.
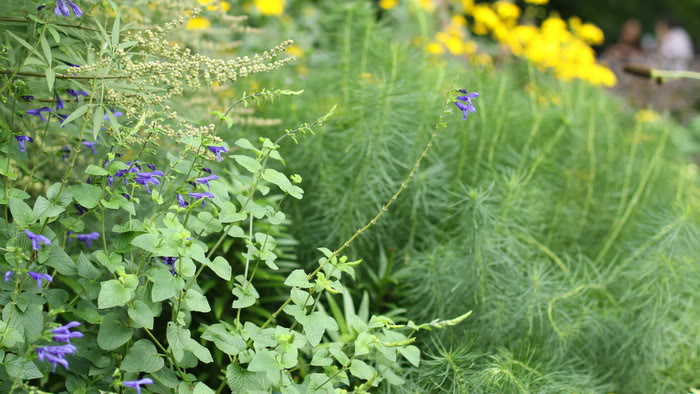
(270, 7)
(452, 39)
(201, 23)
(557, 45)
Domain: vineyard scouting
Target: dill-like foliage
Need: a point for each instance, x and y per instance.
(567, 226)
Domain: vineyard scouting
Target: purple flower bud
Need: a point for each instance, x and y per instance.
(22, 139)
(466, 107)
(199, 196)
(77, 93)
(37, 112)
(218, 150)
(115, 114)
(63, 333)
(128, 197)
(39, 278)
(136, 384)
(205, 180)
(181, 201)
(59, 103)
(28, 98)
(62, 8)
(170, 261)
(8, 275)
(81, 209)
(88, 238)
(66, 152)
(151, 166)
(207, 170)
(91, 146)
(37, 239)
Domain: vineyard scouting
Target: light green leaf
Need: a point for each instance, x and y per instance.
(315, 326)
(248, 163)
(412, 354)
(199, 351)
(229, 343)
(245, 144)
(241, 381)
(298, 278)
(96, 170)
(97, 119)
(21, 213)
(141, 314)
(196, 302)
(178, 339)
(86, 269)
(142, 357)
(229, 214)
(361, 369)
(264, 361)
(113, 332)
(86, 195)
(113, 293)
(21, 368)
(221, 267)
(202, 388)
(279, 179)
(46, 48)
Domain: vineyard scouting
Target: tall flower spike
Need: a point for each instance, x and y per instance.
(217, 150)
(22, 139)
(62, 8)
(136, 384)
(37, 239)
(39, 278)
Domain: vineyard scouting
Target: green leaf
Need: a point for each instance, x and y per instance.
(86, 195)
(44, 208)
(165, 285)
(113, 332)
(245, 144)
(229, 343)
(142, 357)
(46, 48)
(115, 32)
(146, 242)
(196, 302)
(221, 267)
(97, 119)
(321, 358)
(229, 214)
(246, 294)
(248, 163)
(96, 170)
(55, 257)
(199, 351)
(360, 369)
(21, 368)
(21, 213)
(264, 361)
(315, 326)
(241, 381)
(411, 353)
(202, 388)
(178, 338)
(24, 43)
(113, 293)
(80, 111)
(86, 269)
(279, 179)
(298, 278)
(110, 262)
(141, 314)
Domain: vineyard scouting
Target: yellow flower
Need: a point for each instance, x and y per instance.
(214, 5)
(270, 7)
(295, 51)
(198, 23)
(388, 4)
(647, 116)
(482, 59)
(470, 47)
(452, 43)
(537, 2)
(467, 5)
(434, 48)
(591, 34)
(507, 10)
(426, 4)
(458, 20)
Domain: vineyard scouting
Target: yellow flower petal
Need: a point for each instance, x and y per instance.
(198, 23)
(270, 7)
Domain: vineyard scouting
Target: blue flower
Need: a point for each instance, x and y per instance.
(55, 354)
(148, 178)
(181, 201)
(37, 239)
(170, 261)
(63, 333)
(136, 384)
(207, 170)
(39, 278)
(88, 238)
(218, 150)
(8, 275)
(199, 196)
(38, 111)
(205, 180)
(128, 197)
(77, 93)
(90, 145)
(59, 103)
(467, 106)
(28, 98)
(62, 8)
(22, 139)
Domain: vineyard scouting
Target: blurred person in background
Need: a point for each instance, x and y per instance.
(628, 44)
(675, 48)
